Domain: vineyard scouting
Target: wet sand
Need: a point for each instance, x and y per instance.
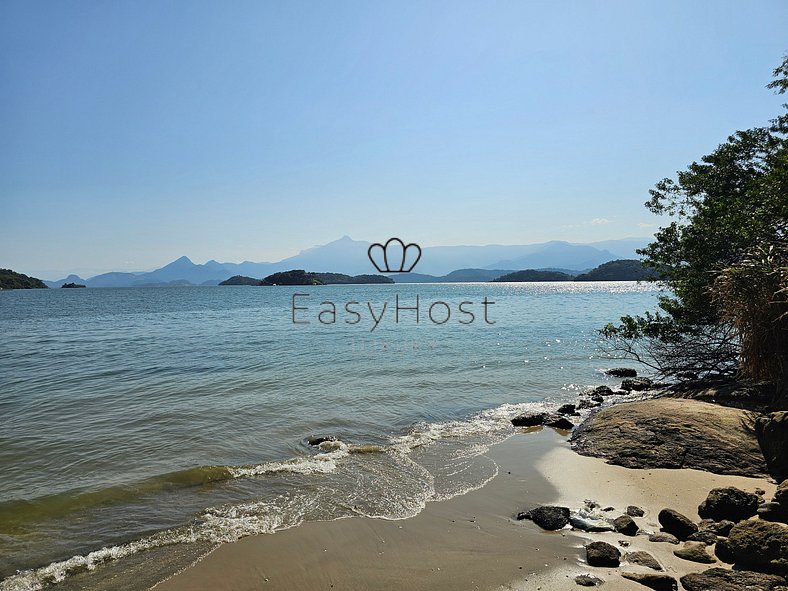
(471, 541)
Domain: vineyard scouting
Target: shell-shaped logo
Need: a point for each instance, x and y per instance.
(395, 256)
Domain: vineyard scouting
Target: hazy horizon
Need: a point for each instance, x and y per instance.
(137, 133)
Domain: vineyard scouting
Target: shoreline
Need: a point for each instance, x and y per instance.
(471, 541)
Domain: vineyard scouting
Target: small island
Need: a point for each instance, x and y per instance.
(12, 280)
(71, 286)
(619, 270)
(533, 275)
(301, 277)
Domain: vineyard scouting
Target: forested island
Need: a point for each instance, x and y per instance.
(301, 277)
(620, 270)
(11, 280)
(533, 275)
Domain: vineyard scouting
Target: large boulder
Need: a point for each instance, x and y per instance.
(673, 433)
(653, 581)
(602, 554)
(625, 525)
(772, 432)
(547, 517)
(637, 384)
(728, 503)
(720, 579)
(760, 545)
(531, 419)
(621, 372)
(677, 524)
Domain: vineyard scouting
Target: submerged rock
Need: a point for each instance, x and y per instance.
(637, 384)
(695, 552)
(532, 419)
(677, 524)
(602, 554)
(761, 545)
(671, 433)
(621, 372)
(728, 503)
(626, 525)
(642, 558)
(721, 579)
(567, 409)
(315, 441)
(601, 391)
(653, 581)
(547, 517)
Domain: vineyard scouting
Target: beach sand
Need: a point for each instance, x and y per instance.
(471, 541)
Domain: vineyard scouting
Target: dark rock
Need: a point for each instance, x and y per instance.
(547, 517)
(608, 509)
(720, 528)
(634, 511)
(625, 525)
(772, 432)
(567, 409)
(530, 420)
(773, 512)
(643, 559)
(588, 403)
(560, 423)
(728, 503)
(677, 524)
(588, 581)
(601, 391)
(705, 536)
(781, 494)
(637, 384)
(720, 579)
(761, 545)
(672, 433)
(315, 441)
(621, 372)
(696, 552)
(723, 551)
(663, 537)
(602, 554)
(653, 581)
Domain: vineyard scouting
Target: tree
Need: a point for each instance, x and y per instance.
(724, 210)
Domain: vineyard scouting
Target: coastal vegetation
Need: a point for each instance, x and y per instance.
(724, 257)
(11, 280)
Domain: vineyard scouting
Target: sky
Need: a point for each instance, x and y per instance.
(132, 133)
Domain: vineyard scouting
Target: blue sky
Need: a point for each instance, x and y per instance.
(135, 132)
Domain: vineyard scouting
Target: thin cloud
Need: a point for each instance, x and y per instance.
(600, 221)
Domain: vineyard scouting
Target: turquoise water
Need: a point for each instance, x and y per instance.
(146, 418)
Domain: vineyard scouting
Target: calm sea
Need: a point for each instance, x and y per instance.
(137, 421)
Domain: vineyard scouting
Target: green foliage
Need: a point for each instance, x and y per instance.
(724, 208)
(12, 280)
(619, 270)
(533, 275)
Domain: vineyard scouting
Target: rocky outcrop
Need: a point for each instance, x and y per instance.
(533, 419)
(772, 433)
(653, 581)
(637, 384)
(760, 545)
(670, 433)
(602, 554)
(547, 517)
(621, 372)
(720, 579)
(728, 503)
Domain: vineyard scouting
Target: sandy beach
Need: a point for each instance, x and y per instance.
(471, 541)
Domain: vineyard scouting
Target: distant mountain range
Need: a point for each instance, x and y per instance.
(348, 256)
